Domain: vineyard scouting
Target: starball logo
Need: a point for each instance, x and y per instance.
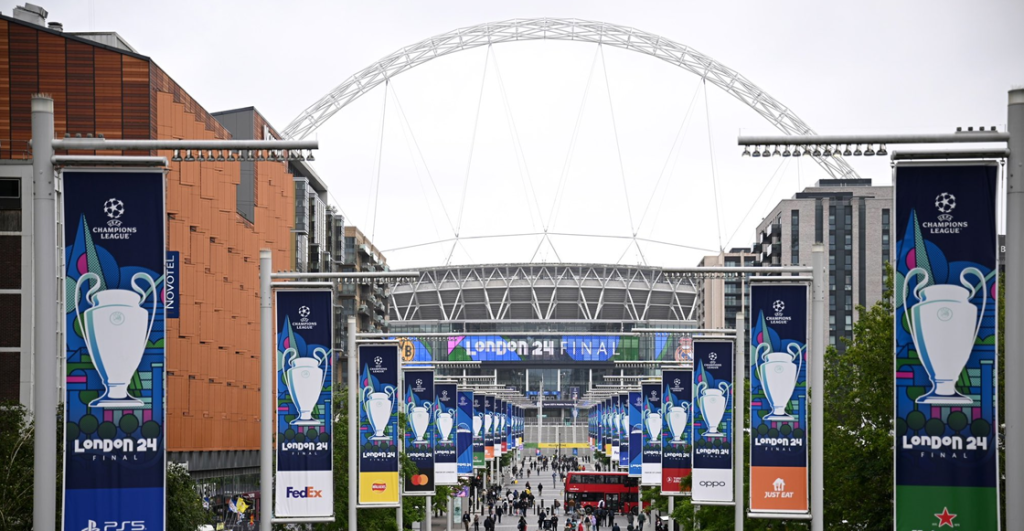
(945, 203)
(378, 365)
(780, 317)
(444, 396)
(463, 401)
(418, 386)
(712, 361)
(114, 209)
(304, 322)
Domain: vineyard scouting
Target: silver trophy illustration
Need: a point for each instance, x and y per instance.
(624, 424)
(652, 421)
(712, 403)
(488, 420)
(478, 425)
(305, 380)
(418, 418)
(944, 324)
(444, 421)
(778, 372)
(378, 408)
(116, 332)
(677, 416)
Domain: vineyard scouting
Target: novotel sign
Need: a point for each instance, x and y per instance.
(171, 284)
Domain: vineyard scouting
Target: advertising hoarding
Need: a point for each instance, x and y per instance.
(445, 420)
(114, 248)
(419, 431)
(379, 399)
(712, 420)
(676, 417)
(945, 363)
(651, 434)
(305, 438)
(778, 398)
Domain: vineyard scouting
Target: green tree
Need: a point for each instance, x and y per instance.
(16, 476)
(185, 510)
(859, 422)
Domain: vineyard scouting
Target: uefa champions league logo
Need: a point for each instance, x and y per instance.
(378, 361)
(304, 313)
(713, 356)
(462, 401)
(114, 209)
(945, 203)
(778, 306)
(444, 395)
(677, 382)
(654, 396)
(419, 383)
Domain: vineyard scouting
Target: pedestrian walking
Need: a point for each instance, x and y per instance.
(554, 478)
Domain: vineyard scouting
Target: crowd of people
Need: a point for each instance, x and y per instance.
(519, 502)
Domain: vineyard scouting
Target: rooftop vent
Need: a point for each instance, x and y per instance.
(31, 13)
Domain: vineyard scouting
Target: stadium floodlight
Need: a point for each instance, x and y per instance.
(776, 152)
(857, 152)
(756, 153)
(766, 153)
(817, 151)
(786, 152)
(746, 152)
(847, 152)
(827, 152)
(176, 157)
(868, 152)
(188, 156)
(882, 151)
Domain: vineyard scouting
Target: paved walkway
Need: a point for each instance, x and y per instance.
(551, 492)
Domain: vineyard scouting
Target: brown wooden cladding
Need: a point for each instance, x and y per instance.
(95, 90)
(213, 349)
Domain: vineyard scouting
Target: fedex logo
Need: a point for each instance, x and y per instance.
(307, 492)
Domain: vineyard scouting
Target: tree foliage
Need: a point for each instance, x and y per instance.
(15, 467)
(184, 505)
(859, 422)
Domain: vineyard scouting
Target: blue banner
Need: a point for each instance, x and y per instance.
(651, 434)
(478, 431)
(624, 431)
(489, 428)
(946, 373)
(712, 420)
(636, 406)
(445, 420)
(419, 432)
(499, 418)
(778, 398)
(379, 399)
(676, 417)
(614, 426)
(305, 464)
(464, 433)
(114, 455)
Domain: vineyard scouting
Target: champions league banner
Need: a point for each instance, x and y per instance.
(636, 406)
(478, 430)
(946, 271)
(488, 428)
(624, 429)
(676, 415)
(464, 433)
(510, 442)
(712, 420)
(778, 398)
(606, 427)
(650, 440)
(305, 466)
(114, 455)
(445, 457)
(419, 432)
(499, 426)
(614, 425)
(379, 399)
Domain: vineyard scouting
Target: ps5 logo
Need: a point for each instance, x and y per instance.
(127, 525)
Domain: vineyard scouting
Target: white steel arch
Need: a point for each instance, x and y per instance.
(624, 37)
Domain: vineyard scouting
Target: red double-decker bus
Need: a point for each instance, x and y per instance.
(586, 489)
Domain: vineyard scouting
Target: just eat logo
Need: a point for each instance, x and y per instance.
(307, 492)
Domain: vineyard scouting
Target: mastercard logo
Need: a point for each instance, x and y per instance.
(420, 480)
(379, 487)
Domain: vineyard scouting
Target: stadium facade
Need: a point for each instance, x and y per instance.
(568, 325)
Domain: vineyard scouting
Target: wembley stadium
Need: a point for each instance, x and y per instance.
(555, 330)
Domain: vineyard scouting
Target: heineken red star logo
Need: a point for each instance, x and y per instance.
(945, 517)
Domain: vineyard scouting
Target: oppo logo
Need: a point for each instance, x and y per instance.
(712, 484)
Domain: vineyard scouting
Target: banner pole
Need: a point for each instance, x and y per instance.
(817, 365)
(353, 422)
(1014, 403)
(45, 315)
(267, 413)
(739, 410)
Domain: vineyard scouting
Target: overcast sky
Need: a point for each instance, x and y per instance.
(572, 138)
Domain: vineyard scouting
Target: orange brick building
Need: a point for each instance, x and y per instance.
(213, 348)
